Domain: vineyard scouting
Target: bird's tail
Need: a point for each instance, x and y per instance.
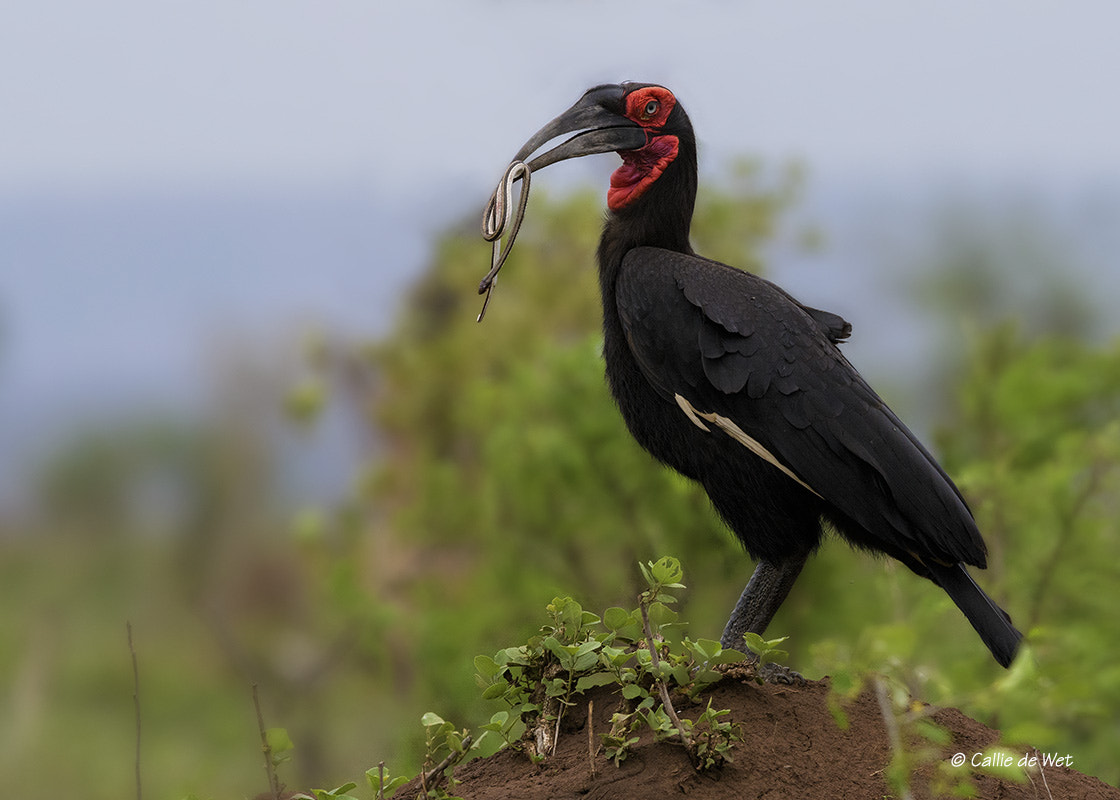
(990, 621)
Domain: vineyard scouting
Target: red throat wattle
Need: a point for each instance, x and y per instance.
(640, 168)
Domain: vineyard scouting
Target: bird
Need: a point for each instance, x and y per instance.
(726, 378)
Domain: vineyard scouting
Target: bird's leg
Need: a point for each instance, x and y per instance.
(764, 594)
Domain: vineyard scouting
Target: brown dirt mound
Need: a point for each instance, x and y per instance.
(792, 748)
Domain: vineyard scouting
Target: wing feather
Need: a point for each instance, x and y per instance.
(738, 347)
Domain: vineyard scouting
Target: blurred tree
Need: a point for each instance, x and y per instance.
(1036, 443)
(116, 480)
(985, 267)
(980, 267)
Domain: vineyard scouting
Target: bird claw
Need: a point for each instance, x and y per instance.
(782, 675)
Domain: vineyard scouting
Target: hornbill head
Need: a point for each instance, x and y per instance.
(642, 122)
(647, 127)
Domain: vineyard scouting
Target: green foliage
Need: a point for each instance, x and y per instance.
(382, 784)
(280, 745)
(340, 793)
(577, 651)
(618, 743)
(446, 746)
(1034, 443)
(767, 650)
(1037, 449)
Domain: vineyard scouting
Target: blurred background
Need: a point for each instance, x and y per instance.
(244, 404)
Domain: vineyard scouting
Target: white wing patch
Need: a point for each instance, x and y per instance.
(738, 434)
(690, 412)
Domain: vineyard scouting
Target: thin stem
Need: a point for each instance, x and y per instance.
(136, 704)
(430, 779)
(891, 724)
(662, 689)
(273, 782)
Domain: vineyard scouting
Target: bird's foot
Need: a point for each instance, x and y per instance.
(780, 674)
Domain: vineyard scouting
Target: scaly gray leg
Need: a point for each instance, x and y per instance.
(764, 594)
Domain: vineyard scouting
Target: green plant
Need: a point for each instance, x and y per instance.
(618, 743)
(382, 784)
(340, 793)
(454, 744)
(538, 679)
(766, 649)
(638, 650)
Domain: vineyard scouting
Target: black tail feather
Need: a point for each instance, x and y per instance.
(990, 621)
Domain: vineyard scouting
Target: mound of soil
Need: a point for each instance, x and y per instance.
(792, 748)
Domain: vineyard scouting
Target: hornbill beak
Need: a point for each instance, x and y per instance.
(598, 114)
(603, 128)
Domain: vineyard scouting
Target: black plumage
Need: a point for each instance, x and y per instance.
(727, 379)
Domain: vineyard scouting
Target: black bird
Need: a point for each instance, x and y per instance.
(729, 380)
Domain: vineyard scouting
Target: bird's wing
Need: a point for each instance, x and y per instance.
(735, 351)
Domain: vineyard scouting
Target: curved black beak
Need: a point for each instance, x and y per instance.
(604, 129)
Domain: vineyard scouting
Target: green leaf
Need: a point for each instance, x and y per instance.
(584, 662)
(430, 718)
(616, 618)
(614, 656)
(486, 666)
(278, 741)
(495, 690)
(513, 655)
(729, 656)
(707, 676)
(593, 680)
(632, 690)
(390, 786)
(667, 572)
(681, 675)
(455, 741)
(587, 647)
(660, 614)
(564, 652)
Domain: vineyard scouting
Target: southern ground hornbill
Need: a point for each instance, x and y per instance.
(730, 381)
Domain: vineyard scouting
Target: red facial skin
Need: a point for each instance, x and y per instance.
(649, 107)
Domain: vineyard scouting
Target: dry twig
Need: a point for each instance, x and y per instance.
(591, 735)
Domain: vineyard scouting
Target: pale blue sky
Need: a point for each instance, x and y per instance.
(180, 175)
(196, 91)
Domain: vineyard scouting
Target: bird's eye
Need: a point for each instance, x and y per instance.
(651, 109)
